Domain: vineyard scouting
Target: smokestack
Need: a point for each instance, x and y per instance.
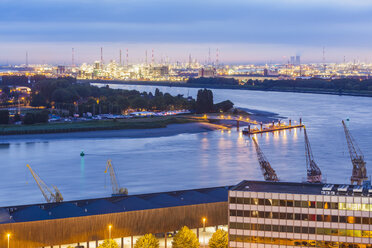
(73, 57)
(120, 58)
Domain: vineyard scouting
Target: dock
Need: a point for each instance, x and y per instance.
(272, 128)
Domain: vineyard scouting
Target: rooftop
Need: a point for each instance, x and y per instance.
(114, 204)
(305, 188)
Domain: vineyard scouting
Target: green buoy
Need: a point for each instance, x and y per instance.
(82, 154)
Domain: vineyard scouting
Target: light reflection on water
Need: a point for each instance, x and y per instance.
(191, 160)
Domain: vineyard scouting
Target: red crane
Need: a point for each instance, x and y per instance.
(314, 175)
(359, 173)
(267, 171)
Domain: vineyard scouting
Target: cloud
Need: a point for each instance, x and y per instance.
(340, 23)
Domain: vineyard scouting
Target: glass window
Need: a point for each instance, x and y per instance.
(334, 232)
(304, 204)
(334, 205)
(282, 203)
(254, 201)
(319, 205)
(261, 227)
(275, 215)
(275, 228)
(261, 214)
(283, 216)
(268, 202)
(239, 225)
(327, 218)
(232, 212)
(358, 220)
(268, 215)
(254, 227)
(297, 204)
(297, 229)
(239, 200)
(304, 217)
(268, 228)
(365, 221)
(350, 219)
(334, 218)
(232, 225)
(312, 230)
(261, 202)
(283, 228)
(239, 213)
(305, 229)
(247, 226)
(290, 229)
(326, 205)
(289, 216)
(232, 200)
(254, 214)
(275, 202)
(297, 216)
(311, 204)
(289, 203)
(319, 217)
(247, 213)
(247, 201)
(342, 219)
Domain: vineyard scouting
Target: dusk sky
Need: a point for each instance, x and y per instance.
(252, 31)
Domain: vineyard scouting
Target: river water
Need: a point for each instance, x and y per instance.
(188, 161)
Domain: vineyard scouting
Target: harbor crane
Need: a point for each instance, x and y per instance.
(48, 194)
(314, 175)
(359, 173)
(116, 190)
(267, 171)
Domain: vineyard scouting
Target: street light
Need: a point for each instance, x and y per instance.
(110, 226)
(8, 235)
(204, 220)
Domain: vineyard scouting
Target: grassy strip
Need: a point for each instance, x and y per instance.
(141, 123)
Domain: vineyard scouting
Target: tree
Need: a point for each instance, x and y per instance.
(38, 100)
(6, 90)
(204, 101)
(4, 116)
(147, 241)
(223, 106)
(219, 239)
(185, 238)
(108, 244)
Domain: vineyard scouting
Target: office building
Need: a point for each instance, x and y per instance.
(279, 214)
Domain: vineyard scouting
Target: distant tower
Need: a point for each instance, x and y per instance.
(298, 60)
(73, 57)
(293, 60)
(146, 57)
(120, 58)
(209, 56)
(324, 65)
(26, 59)
(101, 57)
(152, 57)
(127, 57)
(217, 56)
(190, 60)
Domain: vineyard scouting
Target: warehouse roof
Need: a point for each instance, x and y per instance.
(112, 204)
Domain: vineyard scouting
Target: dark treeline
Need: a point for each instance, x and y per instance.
(66, 94)
(340, 85)
(13, 80)
(213, 81)
(204, 103)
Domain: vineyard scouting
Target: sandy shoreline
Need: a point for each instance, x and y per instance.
(170, 130)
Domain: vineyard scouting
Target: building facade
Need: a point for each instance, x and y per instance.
(276, 214)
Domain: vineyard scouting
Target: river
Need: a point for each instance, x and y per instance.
(188, 161)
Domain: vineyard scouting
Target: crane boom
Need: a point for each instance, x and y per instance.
(116, 190)
(359, 173)
(48, 194)
(267, 171)
(314, 174)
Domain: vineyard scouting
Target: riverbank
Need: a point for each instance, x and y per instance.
(234, 87)
(98, 125)
(169, 130)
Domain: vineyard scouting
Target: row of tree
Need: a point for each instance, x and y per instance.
(213, 81)
(205, 104)
(31, 117)
(64, 94)
(185, 238)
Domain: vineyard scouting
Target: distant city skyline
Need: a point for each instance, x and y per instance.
(244, 31)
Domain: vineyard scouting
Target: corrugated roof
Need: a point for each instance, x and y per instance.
(31, 213)
(66, 210)
(112, 204)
